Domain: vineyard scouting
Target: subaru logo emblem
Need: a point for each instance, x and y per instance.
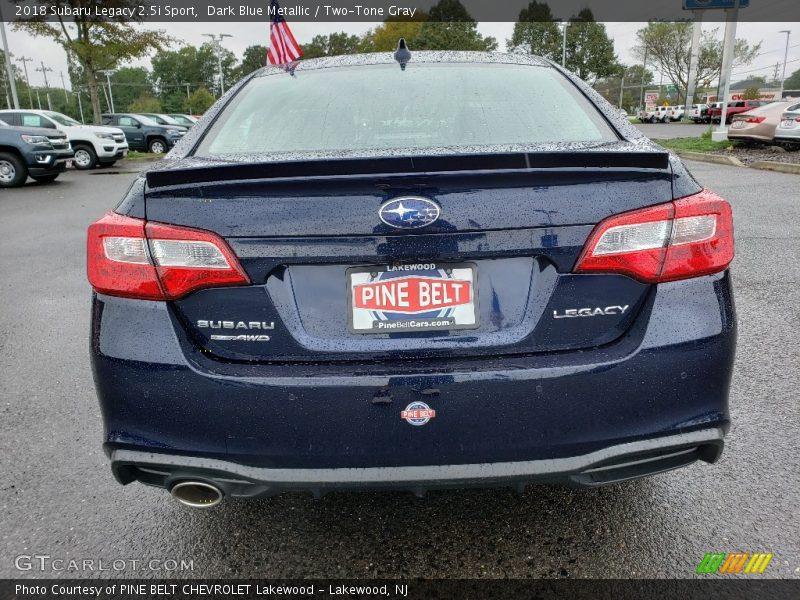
(409, 212)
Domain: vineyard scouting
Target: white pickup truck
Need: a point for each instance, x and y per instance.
(93, 144)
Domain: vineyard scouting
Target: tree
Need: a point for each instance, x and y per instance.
(145, 103)
(384, 37)
(450, 27)
(198, 102)
(130, 83)
(590, 52)
(332, 44)
(668, 46)
(535, 32)
(254, 58)
(194, 65)
(752, 93)
(96, 45)
(633, 79)
(792, 81)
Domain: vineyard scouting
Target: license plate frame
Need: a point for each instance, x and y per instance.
(413, 323)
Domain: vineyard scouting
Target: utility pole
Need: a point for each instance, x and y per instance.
(108, 73)
(188, 98)
(38, 99)
(80, 106)
(644, 70)
(44, 71)
(25, 60)
(217, 41)
(9, 70)
(697, 28)
(621, 88)
(564, 45)
(785, 56)
(64, 85)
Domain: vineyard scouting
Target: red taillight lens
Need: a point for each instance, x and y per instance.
(685, 238)
(753, 119)
(135, 259)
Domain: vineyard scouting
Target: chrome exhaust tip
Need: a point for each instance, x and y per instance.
(197, 494)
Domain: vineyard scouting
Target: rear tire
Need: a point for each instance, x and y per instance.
(653, 119)
(157, 146)
(85, 157)
(12, 172)
(45, 178)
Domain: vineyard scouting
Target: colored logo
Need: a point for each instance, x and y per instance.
(409, 212)
(417, 414)
(734, 562)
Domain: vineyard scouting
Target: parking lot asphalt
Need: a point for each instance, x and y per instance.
(58, 498)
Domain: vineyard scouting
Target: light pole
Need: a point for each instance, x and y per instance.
(564, 45)
(217, 40)
(9, 70)
(25, 60)
(785, 56)
(108, 73)
(44, 71)
(728, 44)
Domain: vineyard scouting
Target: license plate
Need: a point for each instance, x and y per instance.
(787, 123)
(412, 297)
(737, 125)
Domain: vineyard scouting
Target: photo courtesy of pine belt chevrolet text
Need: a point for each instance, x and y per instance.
(411, 270)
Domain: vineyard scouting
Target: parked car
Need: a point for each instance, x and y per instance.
(734, 108)
(658, 114)
(676, 113)
(93, 144)
(41, 153)
(787, 133)
(646, 115)
(145, 134)
(661, 114)
(698, 113)
(448, 296)
(164, 120)
(758, 124)
(186, 120)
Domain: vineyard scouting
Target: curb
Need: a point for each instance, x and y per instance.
(718, 159)
(771, 165)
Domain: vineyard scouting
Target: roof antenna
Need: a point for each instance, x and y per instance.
(402, 54)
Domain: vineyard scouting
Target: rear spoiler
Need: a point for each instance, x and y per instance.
(521, 161)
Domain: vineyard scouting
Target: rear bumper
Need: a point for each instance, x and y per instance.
(549, 416)
(613, 464)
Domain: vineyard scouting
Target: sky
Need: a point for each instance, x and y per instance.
(247, 34)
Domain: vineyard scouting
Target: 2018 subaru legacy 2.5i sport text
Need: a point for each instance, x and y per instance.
(467, 271)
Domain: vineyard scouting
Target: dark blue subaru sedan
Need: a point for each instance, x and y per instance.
(470, 270)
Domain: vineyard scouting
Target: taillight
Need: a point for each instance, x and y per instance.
(752, 119)
(137, 259)
(685, 238)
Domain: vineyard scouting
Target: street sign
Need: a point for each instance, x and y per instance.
(712, 4)
(650, 99)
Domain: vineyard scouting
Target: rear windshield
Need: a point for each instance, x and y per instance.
(468, 106)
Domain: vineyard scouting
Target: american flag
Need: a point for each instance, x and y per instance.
(283, 48)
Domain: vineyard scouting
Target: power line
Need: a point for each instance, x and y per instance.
(763, 68)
